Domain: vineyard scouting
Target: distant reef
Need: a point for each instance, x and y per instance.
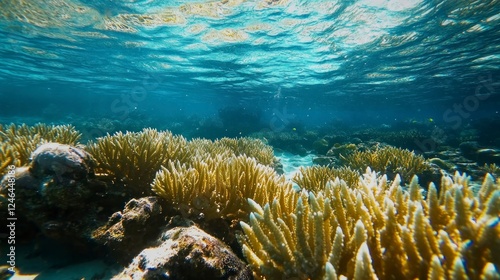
(160, 204)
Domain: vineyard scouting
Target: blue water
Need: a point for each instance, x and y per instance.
(235, 68)
(313, 62)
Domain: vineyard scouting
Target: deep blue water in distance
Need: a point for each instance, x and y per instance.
(313, 62)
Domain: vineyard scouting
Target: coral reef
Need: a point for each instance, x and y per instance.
(64, 134)
(218, 187)
(249, 147)
(133, 158)
(315, 178)
(288, 140)
(374, 230)
(17, 142)
(387, 160)
(492, 169)
(186, 253)
(345, 149)
(340, 224)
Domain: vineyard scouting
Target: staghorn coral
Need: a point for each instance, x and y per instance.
(134, 157)
(218, 187)
(19, 141)
(63, 134)
(233, 146)
(387, 160)
(7, 157)
(315, 178)
(379, 231)
(492, 168)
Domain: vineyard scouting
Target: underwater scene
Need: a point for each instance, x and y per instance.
(263, 139)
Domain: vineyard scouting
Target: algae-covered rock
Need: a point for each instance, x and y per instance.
(321, 146)
(187, 253)
(128, 231)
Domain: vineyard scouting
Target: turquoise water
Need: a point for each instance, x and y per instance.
(322, 61)
(293, 73)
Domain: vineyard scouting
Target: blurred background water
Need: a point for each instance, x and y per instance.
(266, 62)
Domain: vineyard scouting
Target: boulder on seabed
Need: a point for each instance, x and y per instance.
(187, 253)
(66, 163)
(129, 231)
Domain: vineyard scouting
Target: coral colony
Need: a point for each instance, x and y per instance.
(141, 197)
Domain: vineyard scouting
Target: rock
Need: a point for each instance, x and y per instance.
(278, 167)
(23, 180)
(187, 253)
(29, 201)
(321, 146)
(326, 161)
(54, 191)
(469, 148)
(488, 156)
(129, 231)
(441, 163)
(337, 150)
(63, 162)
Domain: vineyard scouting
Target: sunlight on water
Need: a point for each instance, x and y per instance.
(239, 45)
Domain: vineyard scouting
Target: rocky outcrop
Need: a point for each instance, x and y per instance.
(127, 232)
(187, 253)
(56, 191)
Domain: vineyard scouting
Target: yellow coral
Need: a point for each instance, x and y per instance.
(387, 160)
(19, 141)
(233, 146)
(315, 178)
(218, 187)
(133, 158)
(374, 230)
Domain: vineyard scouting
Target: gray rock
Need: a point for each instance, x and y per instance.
(187, 253)
(63, 162)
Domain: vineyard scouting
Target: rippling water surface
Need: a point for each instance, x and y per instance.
(356, 53)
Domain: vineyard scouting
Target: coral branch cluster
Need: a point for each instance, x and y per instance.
(134, 157)
(377, 230)
(387, 160)
(17, 142)
(218, 187)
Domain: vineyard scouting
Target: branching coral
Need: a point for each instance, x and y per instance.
(492, 168)
(315, 178)
(19, 141)
(387, 160)
(63, 134)
(134, 157)
(218, 187)
(7, 157)
(376, 230)
(234, 146)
